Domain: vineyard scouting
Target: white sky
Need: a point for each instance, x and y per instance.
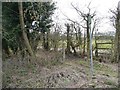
(101, 6)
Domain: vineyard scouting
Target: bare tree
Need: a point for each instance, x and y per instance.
(118, 58)
(86, 19)
(68, 38)
(56, 36)
(116, 23)
(77, 27)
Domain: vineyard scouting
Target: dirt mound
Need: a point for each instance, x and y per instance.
(65, 78)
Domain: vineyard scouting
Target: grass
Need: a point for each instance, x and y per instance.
(84, 63)
(109, 82)
(6, 80)
(99, 68)
(103, 69)
(50, 63)
(66, 80)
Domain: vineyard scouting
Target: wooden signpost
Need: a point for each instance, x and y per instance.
(91, 56)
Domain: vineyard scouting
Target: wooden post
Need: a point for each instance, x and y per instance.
(96, 46)
(63, 47)
(96, 50)
(112, 51)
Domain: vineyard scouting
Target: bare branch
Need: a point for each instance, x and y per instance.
(79, 12)
(76, 23)
(94, 14)
(72, 20)
(94, 26)
(89, 7)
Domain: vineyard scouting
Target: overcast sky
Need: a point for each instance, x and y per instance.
(101, 6)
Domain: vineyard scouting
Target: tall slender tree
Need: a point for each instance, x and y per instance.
(116, 23)
(26, 41)
(32, 12)
(86, 19)
(68, 38)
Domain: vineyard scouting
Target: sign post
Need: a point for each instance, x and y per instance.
(91, 56)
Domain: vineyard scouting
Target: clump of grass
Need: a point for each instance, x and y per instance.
(109, 82)
(51, 62)
(22, 72)
(84, 63)
(6, 80)
(103, 69)
(98, 67)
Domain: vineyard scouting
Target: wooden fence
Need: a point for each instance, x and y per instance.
(104, 47)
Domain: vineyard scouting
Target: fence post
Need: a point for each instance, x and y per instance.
(63, 47)
(96, 50)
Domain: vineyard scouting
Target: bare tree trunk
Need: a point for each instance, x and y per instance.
(88, 40)
(116, 41)
(47, 41)
(63, 47)
(84, 43)
(26, 41)
(43, 44)
(118, 57)
(56, 40)
(68, 38)
(116, 45)
(55, 43)
(80, 39)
